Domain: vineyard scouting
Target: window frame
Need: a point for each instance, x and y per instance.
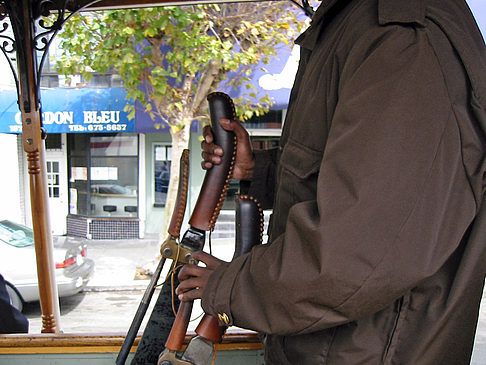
(167, 146)
(97, 343)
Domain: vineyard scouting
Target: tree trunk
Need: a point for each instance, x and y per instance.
(180, 141)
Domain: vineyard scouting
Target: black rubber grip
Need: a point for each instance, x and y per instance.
(249, 224)
(217, 179)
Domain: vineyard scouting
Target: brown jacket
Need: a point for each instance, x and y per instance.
(378, 241)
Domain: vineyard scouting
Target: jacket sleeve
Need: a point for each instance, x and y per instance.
(263, 183)
(11, 320)
(393, 201)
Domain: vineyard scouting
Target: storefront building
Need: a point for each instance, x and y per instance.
(108, 175)
(105, 177)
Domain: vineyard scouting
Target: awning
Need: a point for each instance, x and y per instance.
(275, 79)
(77, 110)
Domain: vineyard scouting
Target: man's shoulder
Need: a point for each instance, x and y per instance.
(444, 12)
(399, 11)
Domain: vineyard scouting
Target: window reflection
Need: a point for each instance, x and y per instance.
(162, 162)
(104, 175)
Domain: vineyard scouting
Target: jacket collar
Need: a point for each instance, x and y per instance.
(308, 39)
(389, 11)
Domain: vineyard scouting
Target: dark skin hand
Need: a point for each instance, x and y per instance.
(211, 153)
(194, 278)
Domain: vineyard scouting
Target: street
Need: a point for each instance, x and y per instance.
(99, 312)
(112, 296)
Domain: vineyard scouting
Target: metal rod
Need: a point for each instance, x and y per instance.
(139, 315)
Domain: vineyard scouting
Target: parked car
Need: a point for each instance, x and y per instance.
(162, 182)
(18, 264)
(112, 189)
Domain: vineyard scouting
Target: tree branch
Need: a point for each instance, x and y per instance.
(205, 85)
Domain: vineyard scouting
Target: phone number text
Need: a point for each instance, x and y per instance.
(98, 128)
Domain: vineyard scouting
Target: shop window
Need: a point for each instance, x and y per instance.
(270, 120)
(78, 185)
(103, 178)
(49, 80)
(264, 143)
(162, 160)
(53, 178)
(54, 141)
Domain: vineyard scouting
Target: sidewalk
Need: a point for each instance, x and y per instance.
(116, 263)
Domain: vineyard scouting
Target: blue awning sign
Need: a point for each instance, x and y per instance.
(92, 121)
(82, 110)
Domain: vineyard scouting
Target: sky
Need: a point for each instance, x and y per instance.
(478, 7)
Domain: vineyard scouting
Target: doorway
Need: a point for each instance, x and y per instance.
(56, 167)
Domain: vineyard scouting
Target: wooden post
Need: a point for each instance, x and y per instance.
(34, 147)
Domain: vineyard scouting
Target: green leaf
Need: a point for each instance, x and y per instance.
(128, 30)
(178, 106)
(150, 32)
(131, 115)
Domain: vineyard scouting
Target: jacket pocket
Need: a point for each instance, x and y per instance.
(300, 160)
(297, 182)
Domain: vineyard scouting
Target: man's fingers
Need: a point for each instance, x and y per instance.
(192, 282)
(189, 271)
(210, 157)
(210, 261)
(190, 295)
(206, 165)
(194, 278)
(190, 289)
(208, 134)
(211, 149)
(211, 153)
(235, 126)
(189, 284)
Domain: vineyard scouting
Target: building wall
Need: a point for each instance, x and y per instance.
(14, 188)
(10, 207)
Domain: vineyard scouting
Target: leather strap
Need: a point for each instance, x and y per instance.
(181, 201)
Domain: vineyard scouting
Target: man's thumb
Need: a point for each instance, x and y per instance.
(234, 126)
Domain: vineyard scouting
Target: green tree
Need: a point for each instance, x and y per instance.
(171, 57)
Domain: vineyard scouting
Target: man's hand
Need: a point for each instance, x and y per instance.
(243, 169)
(193, 278)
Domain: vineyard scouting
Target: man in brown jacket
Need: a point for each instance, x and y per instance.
(377, 250)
